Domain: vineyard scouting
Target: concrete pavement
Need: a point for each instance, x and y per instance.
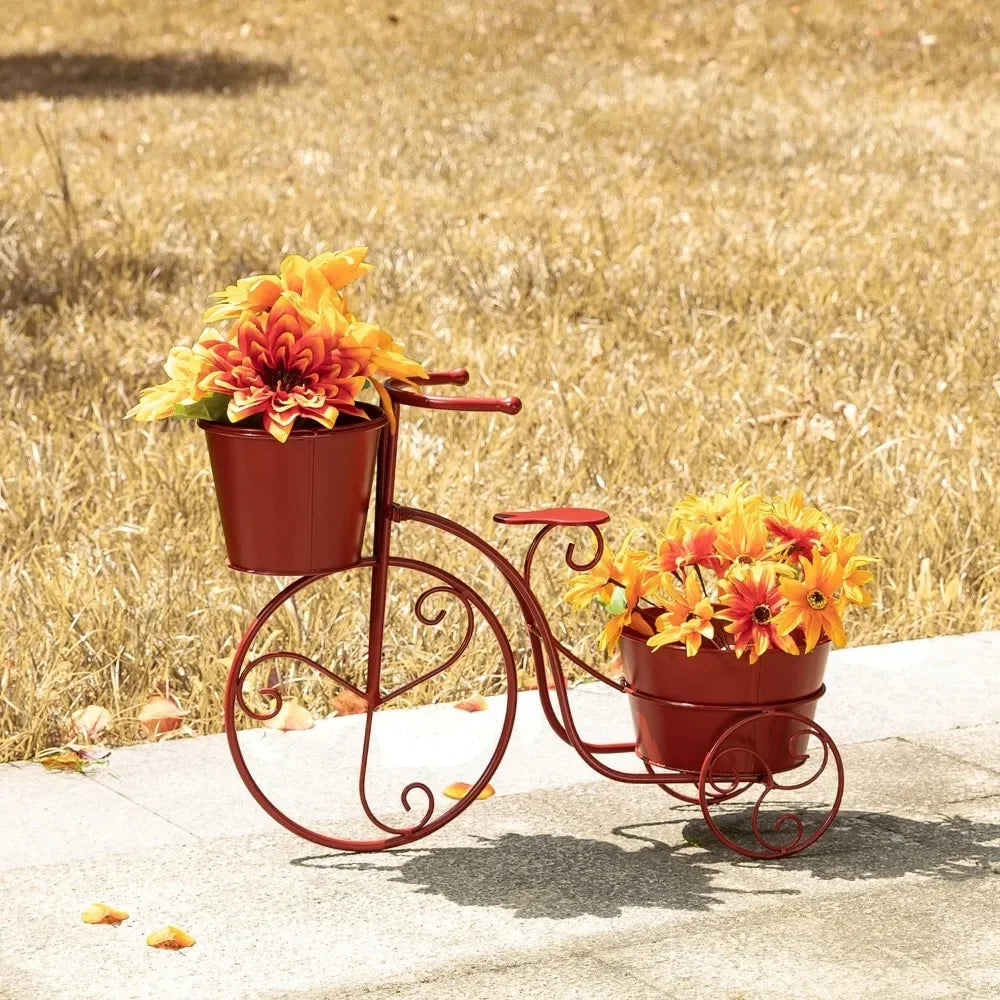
(563, 884)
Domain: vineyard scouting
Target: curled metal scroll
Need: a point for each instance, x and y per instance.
(717, 783)
(431, 620)
(273, 694)
(447, 585)
(578, 567)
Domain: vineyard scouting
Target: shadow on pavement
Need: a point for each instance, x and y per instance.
(561, 877)
(105, 74)
(546, 875)
(866, 845)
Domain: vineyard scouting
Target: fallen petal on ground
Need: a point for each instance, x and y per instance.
(459, 790)
(99, 913)
(170, 937)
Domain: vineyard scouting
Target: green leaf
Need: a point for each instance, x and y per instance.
(212, 407)
(617, 605)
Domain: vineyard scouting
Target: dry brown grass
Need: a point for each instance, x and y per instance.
(655, 221)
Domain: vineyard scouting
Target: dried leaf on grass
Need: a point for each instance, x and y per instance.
(459, 789)
(778, 417)
(72, 757)
(348, 703)
(160, 715)
(100, 913)
(530, 683)
(91, 721)
(170, 937)
(477, 703)
(291, 717)
(61, 760)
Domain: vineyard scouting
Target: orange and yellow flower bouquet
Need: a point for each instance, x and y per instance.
(735, 569)
(291, 348)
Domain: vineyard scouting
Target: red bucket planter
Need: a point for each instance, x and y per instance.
(297, 507)
(703, 695)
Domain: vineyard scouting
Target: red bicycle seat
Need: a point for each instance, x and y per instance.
(567, 516)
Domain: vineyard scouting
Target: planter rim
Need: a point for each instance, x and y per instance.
(378, 419)
(630, 633)
(722, 706)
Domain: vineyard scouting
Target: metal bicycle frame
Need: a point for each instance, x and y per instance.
(714, 786)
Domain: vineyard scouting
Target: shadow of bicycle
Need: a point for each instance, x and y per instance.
(562, 877)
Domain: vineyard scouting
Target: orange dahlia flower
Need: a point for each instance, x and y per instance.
(257, 294)
(282, 368)
(318, 283)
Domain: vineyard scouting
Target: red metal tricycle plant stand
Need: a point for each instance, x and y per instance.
(724, 772)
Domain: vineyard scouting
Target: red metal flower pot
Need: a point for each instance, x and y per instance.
(295, 507)
(703, 695)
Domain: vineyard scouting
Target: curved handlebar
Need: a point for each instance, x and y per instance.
(403, 394)
(460, 376)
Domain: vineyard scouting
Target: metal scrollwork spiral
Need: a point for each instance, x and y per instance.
(577, 567)
(431, 620)
(446, 585)
(718, 783)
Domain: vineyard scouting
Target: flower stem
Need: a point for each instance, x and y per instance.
(652, 604)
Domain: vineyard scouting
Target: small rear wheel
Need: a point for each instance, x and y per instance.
(797, 825)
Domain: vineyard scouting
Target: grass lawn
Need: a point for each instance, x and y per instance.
(702, 240)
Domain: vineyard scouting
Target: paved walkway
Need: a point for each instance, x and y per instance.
(560, 885)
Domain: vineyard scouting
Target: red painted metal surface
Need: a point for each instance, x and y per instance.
(275, 529)
(401, 393)
(681, 704)
(243, 668)
(733, 758)
(719, 780)
(566, 516)
(458, 376)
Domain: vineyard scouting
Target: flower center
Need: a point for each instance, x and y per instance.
(745, 560)
(816, 599)
(281, 378)
(762, 614)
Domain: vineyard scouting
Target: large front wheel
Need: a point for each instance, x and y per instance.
(321, 753)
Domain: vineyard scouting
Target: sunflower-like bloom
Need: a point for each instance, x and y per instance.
(743, 540)
(796, 526)
(717, 507)
(596, 584)
(284, 369)
(856, 577)
(687, 616)
(813, 602)
(637, 581)
(188, 370)
(319, 283)
(618, 580)
(753, 602)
